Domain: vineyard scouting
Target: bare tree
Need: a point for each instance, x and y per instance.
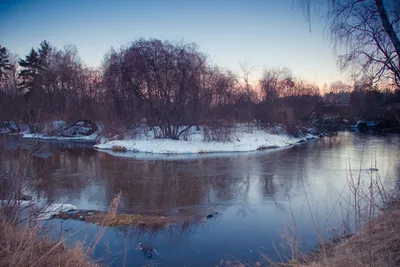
(369, 29)
(167, 78)
(286, 100)
(273, 85)
(303, 99)
(8, 72)
(276, 83)
(338, 94)
(10, 99)
(5, 63)
(244, 93)
(218, 105)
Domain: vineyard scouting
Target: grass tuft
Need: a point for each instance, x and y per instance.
(119, 149)
(23, 246)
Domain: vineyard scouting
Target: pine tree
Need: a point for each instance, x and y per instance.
(30, 72)
(45, 66)
(35, 74)
(5, 65)
(36, 81)
(44, 55)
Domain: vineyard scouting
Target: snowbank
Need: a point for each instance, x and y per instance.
(7, 127)
(91, 137)
(54, 209)
(183, 157)
(361, 123)
(64, 131)
(45, 211)
(241, 142)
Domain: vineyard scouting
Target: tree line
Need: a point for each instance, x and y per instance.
(171, 85)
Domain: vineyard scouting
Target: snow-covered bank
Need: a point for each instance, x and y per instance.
(182, 156)
(43, 211)
(91, 137)
(63, 131)
(241, 142)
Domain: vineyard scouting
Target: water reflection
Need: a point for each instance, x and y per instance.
(91, 178)
(256, 193)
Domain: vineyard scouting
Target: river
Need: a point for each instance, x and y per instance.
(258, 195)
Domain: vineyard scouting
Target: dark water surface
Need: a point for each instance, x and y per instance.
(257, 195)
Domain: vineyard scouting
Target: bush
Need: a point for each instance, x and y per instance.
(21, 240)
(22, 246)
(217, 133)
(119, 149)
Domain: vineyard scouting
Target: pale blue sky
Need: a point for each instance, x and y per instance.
(263, 33)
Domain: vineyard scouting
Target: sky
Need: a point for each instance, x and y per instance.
(261, 33)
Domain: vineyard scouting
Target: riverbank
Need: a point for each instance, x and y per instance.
(241, 140)
(377, 244)
(196, 140)
(23, 246)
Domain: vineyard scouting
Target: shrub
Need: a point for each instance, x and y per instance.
(22, 246)
(119, 149)
(217, 133)
(21, 239)
(112, 131)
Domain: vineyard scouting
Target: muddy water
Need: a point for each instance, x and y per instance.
(257, 195)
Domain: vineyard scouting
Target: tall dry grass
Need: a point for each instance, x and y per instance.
(370, 211)
(23, 246)
(22, 237)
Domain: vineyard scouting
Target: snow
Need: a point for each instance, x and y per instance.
(54, 209)
(91, 137)
(8, 127)
(45, 211)
(357, 124)
(367, 123)
(182, 157)
(54, 125)
(4, 130)
(242, 141)
(61, 131)
(372, 123)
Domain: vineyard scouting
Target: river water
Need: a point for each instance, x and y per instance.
(259, 196)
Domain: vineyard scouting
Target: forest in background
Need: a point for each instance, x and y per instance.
(174, 86)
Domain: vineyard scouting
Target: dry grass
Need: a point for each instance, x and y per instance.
(261, 148)
(377, 244)
(376, 218)
(22, 246)
(149, 220)
(142, 220)
(119, 149)
(21, 239)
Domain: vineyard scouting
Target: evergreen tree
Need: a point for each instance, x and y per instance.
(36, 81)
(35, 73)
(45, 58)
(30, 72)
(44, 55)
(5, 65)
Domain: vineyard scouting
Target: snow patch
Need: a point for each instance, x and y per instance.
(241, 142)
(54, 209)
(46, 212)
(369, 124)
(91, 137)
(64, 131)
